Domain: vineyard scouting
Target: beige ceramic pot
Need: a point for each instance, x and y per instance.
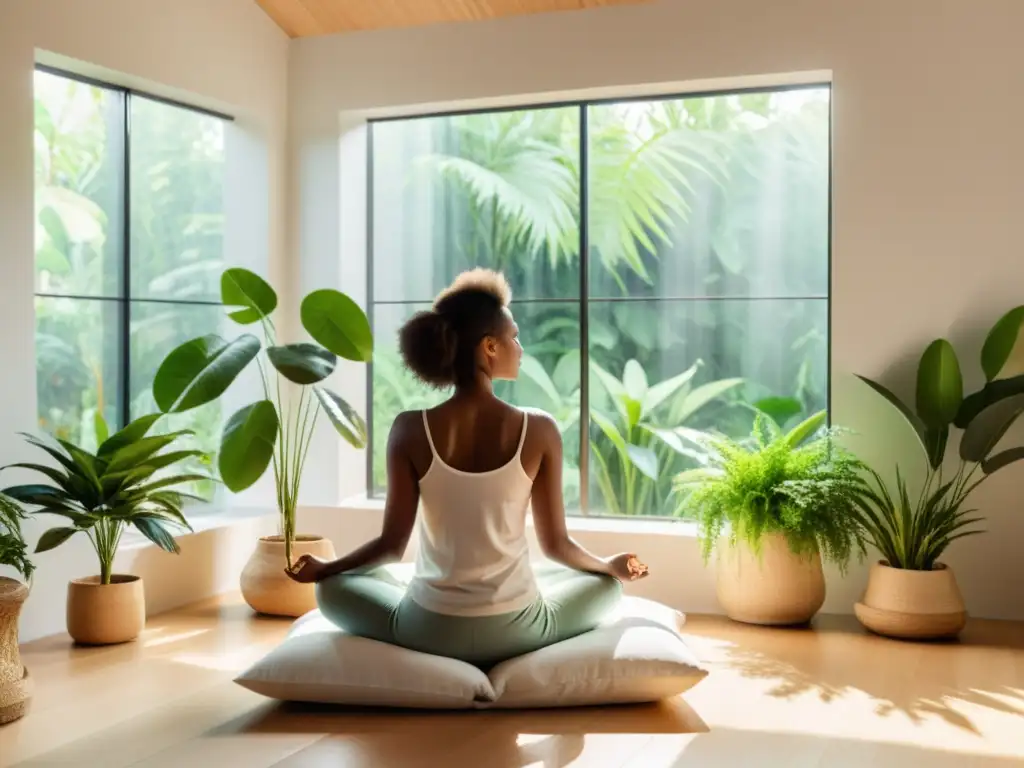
(771, 587)
(15, 684)
(267, 588)
(105, 614)
(914, 605)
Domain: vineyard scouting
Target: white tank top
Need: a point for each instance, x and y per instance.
(473, 557)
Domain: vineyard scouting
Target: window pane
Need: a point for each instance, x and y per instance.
(549, 378)
(156, 329)
(78, 187)
(498, 190)
(177, 202)
(77, 371)
(710, 196)
(739, 351)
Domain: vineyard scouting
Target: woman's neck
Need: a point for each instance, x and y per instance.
(480, 388)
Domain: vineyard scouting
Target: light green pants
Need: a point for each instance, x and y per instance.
(374, 604)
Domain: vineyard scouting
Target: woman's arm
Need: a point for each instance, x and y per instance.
(549, 511)
(403, 497)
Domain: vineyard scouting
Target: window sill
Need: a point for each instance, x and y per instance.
(576, 522)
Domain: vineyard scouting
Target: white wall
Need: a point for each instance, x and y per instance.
(222, 54)
(928, 187)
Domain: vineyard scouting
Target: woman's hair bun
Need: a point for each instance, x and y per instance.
(428, 345)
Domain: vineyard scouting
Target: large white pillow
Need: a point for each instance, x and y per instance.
(636, 655)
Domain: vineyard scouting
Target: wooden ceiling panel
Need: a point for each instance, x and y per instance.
(306, 18)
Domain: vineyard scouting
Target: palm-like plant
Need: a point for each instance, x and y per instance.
(126, 482)
(13, 549)
(912, 533)
(801, 484)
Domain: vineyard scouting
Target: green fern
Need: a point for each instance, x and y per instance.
(13, 550)
(800, 484)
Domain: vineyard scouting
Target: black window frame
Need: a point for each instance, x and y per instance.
(584, 300)
(124, 299)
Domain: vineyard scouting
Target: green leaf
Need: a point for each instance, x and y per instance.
(100, 426)
(171, 457)
(645, 460)
(343, 416)
(935, 444)
(635, 381)
(780, 409)
(302, 363)
(39, 495)
(143, 491)
(663, 390)
(806, 429)
(200, 370)
(940, 386)
(1002, 459)
(611, 433)
(532, 368)
(136, 430)
(137, 453)
(54, 474)
(1000, 342)
(993, 392)
(247, 445)
(54, 538)
(911, 418)
(152, 528)
(337, 322)
(985, 431)
(242, 288)
(701, 396)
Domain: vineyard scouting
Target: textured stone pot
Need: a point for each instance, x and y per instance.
(15, 684)
(105, 614)
(267, 588)
(771, 587)
(914, 605)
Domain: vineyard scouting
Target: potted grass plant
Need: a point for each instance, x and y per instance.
(129, 481)
(15, 683)
(275, 431)
(910, 592)
(773, 507)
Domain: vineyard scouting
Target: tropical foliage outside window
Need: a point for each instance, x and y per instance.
(705, 293)
(127, 264)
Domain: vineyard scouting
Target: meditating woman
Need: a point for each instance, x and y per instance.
(477, 464)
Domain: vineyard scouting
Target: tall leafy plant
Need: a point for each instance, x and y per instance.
(129, 480)
(913, 534)
(276, 431)
(635, 447)
(801, 484)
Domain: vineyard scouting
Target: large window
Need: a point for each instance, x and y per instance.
(669, 260)
(129, 250)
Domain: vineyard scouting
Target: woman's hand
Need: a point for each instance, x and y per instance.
(625, 567)
(308, 569)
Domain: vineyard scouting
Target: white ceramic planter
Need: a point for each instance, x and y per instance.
(268, 589)
(914, 605)
(771, 587)
(105, 614)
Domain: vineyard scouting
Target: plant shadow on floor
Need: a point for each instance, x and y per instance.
(551, 738)
(917, 679)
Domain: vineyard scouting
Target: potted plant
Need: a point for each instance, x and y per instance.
(128, 481)
(910, 592)
(15, 684)
(781, 502)
(277, 430)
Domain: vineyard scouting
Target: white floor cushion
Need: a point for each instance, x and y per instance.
(636, 655)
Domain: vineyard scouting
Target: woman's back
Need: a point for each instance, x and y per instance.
(473, 557)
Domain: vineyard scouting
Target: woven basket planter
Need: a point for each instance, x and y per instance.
(15, 684)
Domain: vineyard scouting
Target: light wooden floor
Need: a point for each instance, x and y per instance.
(831, 696)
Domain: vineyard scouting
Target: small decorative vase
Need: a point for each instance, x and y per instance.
(774, 587)
(106, 614)
(912, 605)
(15, 684)
(268, 589)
